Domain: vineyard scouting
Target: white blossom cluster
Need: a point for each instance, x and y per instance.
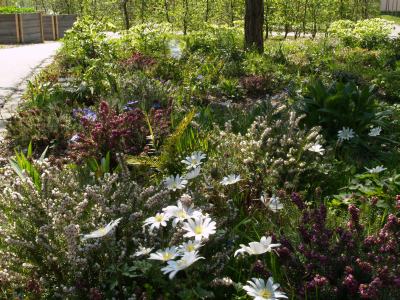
(275, 145)
(46, 227)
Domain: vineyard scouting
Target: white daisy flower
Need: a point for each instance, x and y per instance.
(175, 183)
(186, 261)
(376, 131)
(155, 222)
(256, 248)
(317, 148)
(230, 179)
(194, 160)
(259, 290)
(190, 246)
(346, 134)
(142, 251)
(179, 213)
(165, 255)
(273, 203)
(199, 227)
(192, 174)
(102, 231)
(376, 170)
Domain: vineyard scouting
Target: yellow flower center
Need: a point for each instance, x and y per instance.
(265, 293)
(167, 256)
(198, 230)
(190, 248)
(181, 214)
(159, 219)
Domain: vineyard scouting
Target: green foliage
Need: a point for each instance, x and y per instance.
(371, 33)
(22, 165)
(52, 126)
(339, 105)
(88, 54)
(181, 141)
(16, 10)
(382, 186)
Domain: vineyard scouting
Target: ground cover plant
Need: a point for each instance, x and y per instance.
(153, 163)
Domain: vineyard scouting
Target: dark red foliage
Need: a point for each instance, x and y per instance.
(256, 85)
(139, 61)
(342, 262)
(112, 132)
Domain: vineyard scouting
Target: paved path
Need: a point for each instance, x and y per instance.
(396, 31)
(17, 65)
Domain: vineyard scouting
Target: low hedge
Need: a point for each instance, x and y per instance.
(15, 10)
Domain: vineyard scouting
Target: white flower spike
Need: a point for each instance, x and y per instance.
(257, 248)
(259, 290)
(102, 231)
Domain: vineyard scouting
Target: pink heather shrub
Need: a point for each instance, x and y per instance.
(342, 263)
(125, 132)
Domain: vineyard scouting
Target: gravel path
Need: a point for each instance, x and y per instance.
(17, 66)
(396, 31)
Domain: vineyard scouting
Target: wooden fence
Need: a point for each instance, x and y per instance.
(9, 29)
(390, 6)
(33, 28)
(49, 28)
(64, 22)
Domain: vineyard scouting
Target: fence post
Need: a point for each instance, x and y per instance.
(21, 28)
(17, 29)
(41, 26)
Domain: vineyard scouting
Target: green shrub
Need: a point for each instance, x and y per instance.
(338, 105)
(16, 10)
(371, 33)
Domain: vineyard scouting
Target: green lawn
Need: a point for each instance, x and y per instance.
(395, 19)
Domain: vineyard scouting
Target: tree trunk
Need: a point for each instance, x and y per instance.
(232, 12)
(185, 16)
(142, 11)
(305, 17)
(267, 16)
(126, 14)
(207, 14)
(253, 25)
(167, 11)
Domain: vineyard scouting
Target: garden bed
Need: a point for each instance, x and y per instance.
(155, 165)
